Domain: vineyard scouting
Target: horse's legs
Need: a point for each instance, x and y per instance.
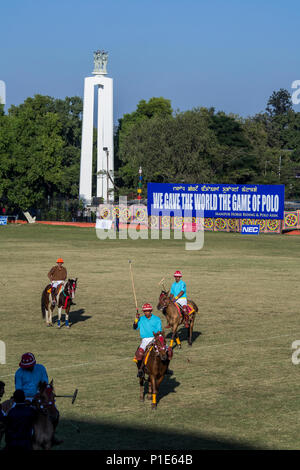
(174, 329)
(59, 316)
(51, 308)
(178, 340)
(149, 389)
(176, 337)
(154, 392)
(67, 316)
(190, 331)
(141, 388)
(49, 316)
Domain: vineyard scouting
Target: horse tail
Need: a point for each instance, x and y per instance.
(43, 302)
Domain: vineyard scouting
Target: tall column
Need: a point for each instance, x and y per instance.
(85, 185)
(105, 132)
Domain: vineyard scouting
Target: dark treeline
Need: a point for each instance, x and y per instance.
(40, 143)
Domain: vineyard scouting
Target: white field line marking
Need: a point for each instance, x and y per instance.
(203, 347)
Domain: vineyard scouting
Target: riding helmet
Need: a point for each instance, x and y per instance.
(178, 274)
(27, 360)
(147, 308)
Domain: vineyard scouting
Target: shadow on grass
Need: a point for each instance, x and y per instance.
(82, 435)
(168, 385)
(75, 316)
(183, 335)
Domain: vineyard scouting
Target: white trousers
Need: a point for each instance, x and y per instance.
(56, 283)
(182, 301)
(145, 342)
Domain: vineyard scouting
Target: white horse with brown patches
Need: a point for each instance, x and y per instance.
(63, 300)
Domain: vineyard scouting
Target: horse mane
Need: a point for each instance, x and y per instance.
(41, 386)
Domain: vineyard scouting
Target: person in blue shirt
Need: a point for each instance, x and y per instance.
(148, 325)
(29, 375)
(178, 294)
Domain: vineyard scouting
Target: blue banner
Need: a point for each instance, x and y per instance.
(250, 229)
(234, 201)
(3, 220)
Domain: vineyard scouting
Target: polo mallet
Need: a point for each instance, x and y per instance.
(132, 281)
(69, 396)
(161, 283)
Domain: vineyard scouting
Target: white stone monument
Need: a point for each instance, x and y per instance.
(105, 148)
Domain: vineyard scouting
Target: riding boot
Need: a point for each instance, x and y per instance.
(186, 316)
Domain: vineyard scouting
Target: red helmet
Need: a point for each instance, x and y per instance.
(27, 360)
(147, 308)
(178, 274)
(59, 260)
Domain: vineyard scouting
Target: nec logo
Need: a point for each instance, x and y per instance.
(250, 229)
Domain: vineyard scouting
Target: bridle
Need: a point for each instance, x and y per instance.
(41, 403)
(72, 287)
(160, 347)
(164, 300)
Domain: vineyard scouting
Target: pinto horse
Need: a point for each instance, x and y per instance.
(46, 417)
(175, 317)
(64, 299)
(156, 362)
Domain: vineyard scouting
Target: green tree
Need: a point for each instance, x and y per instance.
(40, 150)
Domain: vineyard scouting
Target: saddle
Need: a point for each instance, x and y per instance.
(147, 353)
(55, 291)
(181, 312)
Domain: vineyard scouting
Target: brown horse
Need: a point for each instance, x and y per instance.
(175, 318)
(156, 362)
(46, 417)
(64, 300)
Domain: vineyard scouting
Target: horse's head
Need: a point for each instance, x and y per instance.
(44, 400)
(163, 300)
(160, 345)
(71, 287)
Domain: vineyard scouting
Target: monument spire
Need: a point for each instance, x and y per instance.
(105, 148)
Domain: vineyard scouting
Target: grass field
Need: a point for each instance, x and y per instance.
(235, 388)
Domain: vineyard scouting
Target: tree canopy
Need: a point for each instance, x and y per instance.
(40, 144)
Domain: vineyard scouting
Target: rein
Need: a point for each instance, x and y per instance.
(160, 346)
(40, 401)
(69, 294)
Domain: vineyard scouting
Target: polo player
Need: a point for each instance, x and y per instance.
(178, 295)
(57, 276)
(28, 377)
(148, 324)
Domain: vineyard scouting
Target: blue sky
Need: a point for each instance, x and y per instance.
(230, 54)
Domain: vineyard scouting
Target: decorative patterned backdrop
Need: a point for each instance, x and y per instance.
(138, 215)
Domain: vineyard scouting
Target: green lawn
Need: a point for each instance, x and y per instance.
(236, 387)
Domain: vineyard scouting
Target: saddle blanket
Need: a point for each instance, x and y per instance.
(190, 309)
(147, 355)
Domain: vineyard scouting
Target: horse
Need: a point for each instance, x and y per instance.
(156, 362)
(46, 417)
(64, 299)
(175, 318)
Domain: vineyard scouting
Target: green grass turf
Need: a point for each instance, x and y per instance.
(235, 388)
